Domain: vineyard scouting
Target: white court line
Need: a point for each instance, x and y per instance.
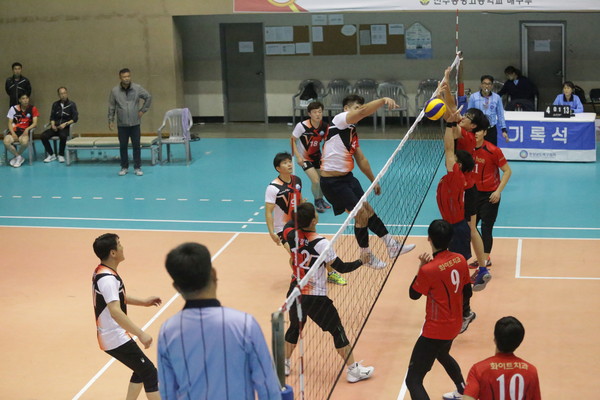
(518, 269)
(519, 253)
(36, 197)
(160, 311)
(403, 389)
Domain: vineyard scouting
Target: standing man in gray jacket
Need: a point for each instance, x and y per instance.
(124, 99)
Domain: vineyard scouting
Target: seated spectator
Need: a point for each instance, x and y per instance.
(21, 119)
(520, 89)
(568, 98)
(64, 113)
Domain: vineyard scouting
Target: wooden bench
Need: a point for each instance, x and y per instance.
(107, 143)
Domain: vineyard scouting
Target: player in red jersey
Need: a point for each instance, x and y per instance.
(306, 146)
(454, 204)
(307, 245)
(444, 279)
(489, 160)
(504, 376)
(22, 118)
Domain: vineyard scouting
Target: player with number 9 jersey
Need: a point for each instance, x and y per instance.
(442, 281)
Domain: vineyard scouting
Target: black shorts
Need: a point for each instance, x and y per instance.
(316, 164)
(319, 308)
(343, 192)
(470, 202)
(461, 239)
(143, 369)
(486, 211)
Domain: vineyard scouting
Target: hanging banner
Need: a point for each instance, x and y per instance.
(283, 6)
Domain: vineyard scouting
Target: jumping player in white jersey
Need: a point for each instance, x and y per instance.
(342, 189)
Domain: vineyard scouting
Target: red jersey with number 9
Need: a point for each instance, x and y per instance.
(442, 281)
(503, 377)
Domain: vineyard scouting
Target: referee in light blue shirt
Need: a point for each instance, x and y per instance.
(206, 351)
(491, 105)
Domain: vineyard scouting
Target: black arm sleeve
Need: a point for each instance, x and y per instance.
(412, 293)
(344, 267)
(7, 86)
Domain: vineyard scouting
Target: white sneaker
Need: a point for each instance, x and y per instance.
(50, 158)
(138, 172)
(452, 396)
(13, 161)
(123, 171)
(467, 320)
(61, 159)
(397, 249)
(288, 367)
(373, 262)
(356, 372)
(19, 162)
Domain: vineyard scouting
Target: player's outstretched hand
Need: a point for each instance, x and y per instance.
(145, 339)
(390, 103)
(152, 301)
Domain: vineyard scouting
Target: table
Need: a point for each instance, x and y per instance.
(535, 138)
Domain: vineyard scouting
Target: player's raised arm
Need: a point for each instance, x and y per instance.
(358, 112)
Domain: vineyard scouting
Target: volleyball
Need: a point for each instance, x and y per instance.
(435, 109)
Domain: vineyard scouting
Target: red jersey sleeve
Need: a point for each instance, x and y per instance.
(35, 112)
(500, 159)
(422, 283)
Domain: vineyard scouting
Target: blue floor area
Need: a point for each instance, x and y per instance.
(223, 190)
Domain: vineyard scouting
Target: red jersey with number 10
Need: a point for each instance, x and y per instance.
(451, 195)
(488, 159)
(442, 281)
(503, 377)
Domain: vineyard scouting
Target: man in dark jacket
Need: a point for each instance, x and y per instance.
(17, 85)
(63, 115)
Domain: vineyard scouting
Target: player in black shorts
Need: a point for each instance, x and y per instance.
(339, 185)
(306, 245)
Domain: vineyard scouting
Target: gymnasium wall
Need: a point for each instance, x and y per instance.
(82, 45)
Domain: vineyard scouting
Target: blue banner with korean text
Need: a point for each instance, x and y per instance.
(550, 140)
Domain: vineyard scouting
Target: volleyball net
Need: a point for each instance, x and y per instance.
(405, 179)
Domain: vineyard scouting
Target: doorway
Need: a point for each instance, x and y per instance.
(543, 58)
(243, 66)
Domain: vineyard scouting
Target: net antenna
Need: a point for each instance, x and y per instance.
(405, 180)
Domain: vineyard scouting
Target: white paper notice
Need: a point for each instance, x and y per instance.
(541, 45)
(246, 47)
(319, 19)
(396, 29)
(279, 34)
(302, 48)
(317, 33)
(378, 34)
(288, 49)
(336, 19)
(274, 49)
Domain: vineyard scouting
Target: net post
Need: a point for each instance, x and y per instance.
(277, 344)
